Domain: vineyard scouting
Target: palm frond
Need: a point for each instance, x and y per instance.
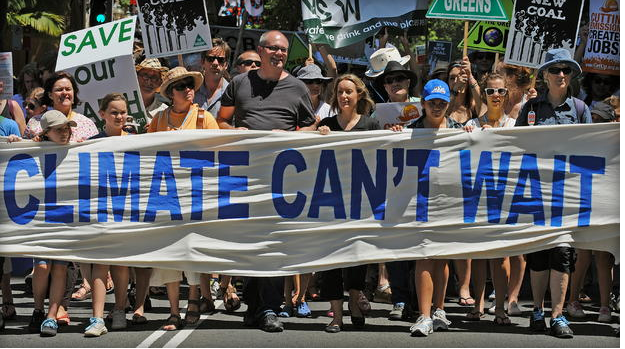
(44, 22)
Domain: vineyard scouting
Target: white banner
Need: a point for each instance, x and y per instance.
(389, 114)
(97, 79)
(97, 43)
(278, 203)
(6, 74)
(169, 28)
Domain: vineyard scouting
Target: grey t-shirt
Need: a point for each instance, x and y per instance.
(267, 105)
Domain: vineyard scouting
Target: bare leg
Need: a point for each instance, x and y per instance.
(142, 285)
(120, 275)
(425, 285)
(98, 289)
(478, 280)
(297, 289)
(40, 284)
(605, 262)
(304, 280)
(441, 275)
(577, 277)
(558, 282)
(517, 271)
(57, 289)
(463, 272)
(382, 275)
(539, 281)
(173, 295)
(85, 271)
(500, 281)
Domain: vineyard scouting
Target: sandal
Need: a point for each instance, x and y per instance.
(466, 301)
(81, 294)
(110, 286)
(175, 321)
(502, 320)
(192, 316)
(8, 311)
(207, 306)
(474, 315)
(63, 320)
(138, 319)
(231, 299)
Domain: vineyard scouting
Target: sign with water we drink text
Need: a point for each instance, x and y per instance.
(469, 10)
(97, 43)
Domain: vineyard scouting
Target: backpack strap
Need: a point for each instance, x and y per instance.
(10, 106)
(579, 108)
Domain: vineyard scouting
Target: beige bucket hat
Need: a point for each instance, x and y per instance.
(180, 73)
(380, 58)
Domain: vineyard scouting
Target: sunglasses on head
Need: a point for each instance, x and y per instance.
(249, 62)
(184, 85)
(314, 81)
(219, 59)
(557, 70)
(397, 78)
(500, 91)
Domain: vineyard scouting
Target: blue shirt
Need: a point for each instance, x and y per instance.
(8, 127)
(546, 114)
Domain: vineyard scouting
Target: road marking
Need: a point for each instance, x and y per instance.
(179, 337)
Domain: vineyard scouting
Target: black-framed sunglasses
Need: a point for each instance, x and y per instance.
(274, 48)
(557, 70)
(500, 91)
(184, 85)
(313, 81)
(210, 59)
(30, 105)
(397, 78)
(152, 78)
(249, 62)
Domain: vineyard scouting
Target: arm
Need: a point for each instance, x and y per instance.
(328, 60)
(474, 87)
(579, 51)
(414, 66)
(224, 116)
(383, 39)
(18, 116)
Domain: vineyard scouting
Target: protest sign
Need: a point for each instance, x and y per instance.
(6, 74)
(538, 26)
(438, 51)
(342, 23)
(474, 10)
(97, 43)
(298, 53)
(177, 27)
(96, 80)
(488, 36)
(602, 54)
(267, 203)
(389, 114)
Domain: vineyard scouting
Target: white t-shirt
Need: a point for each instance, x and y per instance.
(505, 121)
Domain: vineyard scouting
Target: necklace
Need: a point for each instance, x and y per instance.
(502, 120)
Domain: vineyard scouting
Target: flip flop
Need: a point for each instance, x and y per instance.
(474, 316)
(81, 294)
(466, 301)
(173, 320)
(63, 320)
(502, 320)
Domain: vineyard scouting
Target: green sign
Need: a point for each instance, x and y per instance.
(488, 36)
(469, 10)
(298, 53)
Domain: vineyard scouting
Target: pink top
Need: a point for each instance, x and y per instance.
(84, 129)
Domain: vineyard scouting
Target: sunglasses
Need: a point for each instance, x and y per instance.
(500, 91)
(313, 81)
(602, 81)
(557, 70)
(183, 86)
(249, 62)
(219, 59)
(152, 78)
(29, 105)
(397, 78)
(276, 48)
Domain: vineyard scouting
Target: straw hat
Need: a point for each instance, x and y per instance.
(380, 58)
(180, 73)
(151, 63)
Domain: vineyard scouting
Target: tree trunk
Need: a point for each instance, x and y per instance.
(5, 37)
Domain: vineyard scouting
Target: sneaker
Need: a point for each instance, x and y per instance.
(439, 319)
(513, 309)
(382, 294)
(574, 309)
(35, 321)
(303, 310)
(559, 327)
(491, 296)
(605, 315)
(493, 307)
(271, 323)
(96, 327)
(422, 327)
(286, 311)
(215, 288)
(119, 319)
(537, 321)
(397, 312)
(48, 328)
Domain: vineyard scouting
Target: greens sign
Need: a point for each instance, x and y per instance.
(469, 10)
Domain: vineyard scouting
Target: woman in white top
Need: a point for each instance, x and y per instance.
(496, 97)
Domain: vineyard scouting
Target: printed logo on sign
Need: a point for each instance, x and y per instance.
(199, 41)
(610, 6)
(439, 89)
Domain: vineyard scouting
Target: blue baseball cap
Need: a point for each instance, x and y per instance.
(436, 89)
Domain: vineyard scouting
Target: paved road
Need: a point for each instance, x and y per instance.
(226, 330)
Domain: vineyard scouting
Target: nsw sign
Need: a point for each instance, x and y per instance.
(469, 10)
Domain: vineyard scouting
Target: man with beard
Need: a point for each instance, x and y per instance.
(268, 98)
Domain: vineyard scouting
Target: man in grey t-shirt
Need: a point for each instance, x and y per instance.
(267, 99)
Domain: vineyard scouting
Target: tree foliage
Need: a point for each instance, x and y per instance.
(33, 13)
(282, 15)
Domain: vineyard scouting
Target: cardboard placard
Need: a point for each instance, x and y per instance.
(602, 54)
(6, 74)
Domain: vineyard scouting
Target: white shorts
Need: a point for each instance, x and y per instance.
(164, 276)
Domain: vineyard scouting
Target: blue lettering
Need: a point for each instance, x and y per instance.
(107, 177)
(54, 213)
(471, 192)
(398, 162)
(197, 160)
(19, 162)
(327, 167)
(284, 159)
(557, 190)
(84, 187)
(423, 159)
(534, 204)
(163, 169)
(586, 166)
(228, 183)
(361, 178)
